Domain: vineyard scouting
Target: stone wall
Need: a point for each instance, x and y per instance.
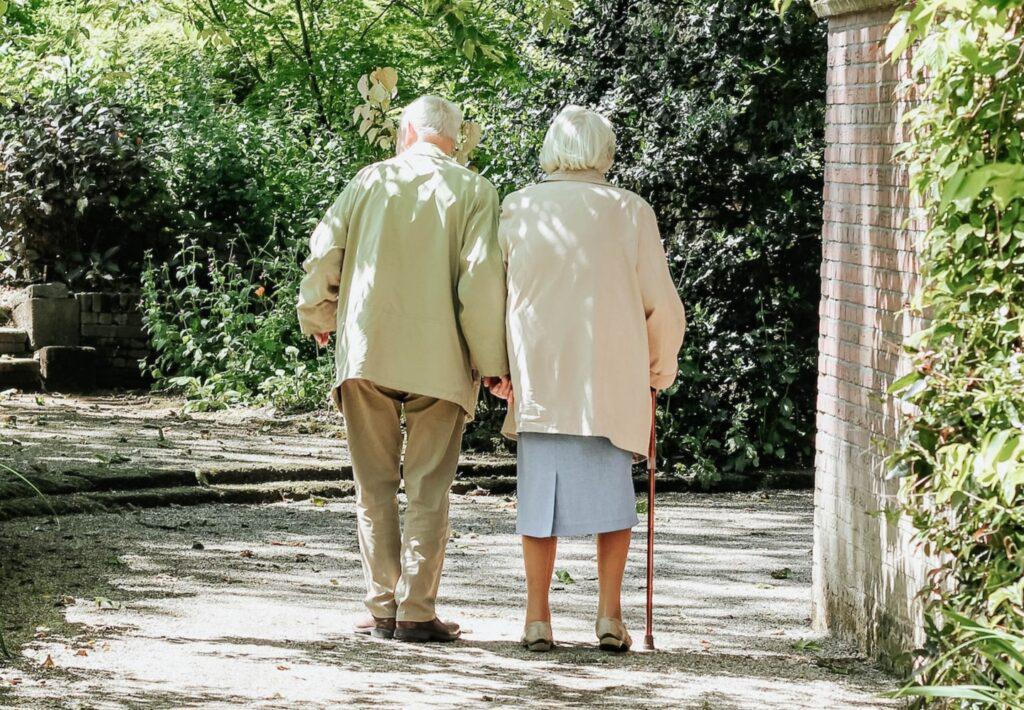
(866, 568)
(112, 324)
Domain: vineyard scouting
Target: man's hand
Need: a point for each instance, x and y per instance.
(322, 339)
(500, 387)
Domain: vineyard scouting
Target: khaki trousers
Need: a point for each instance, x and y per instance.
(402, 567)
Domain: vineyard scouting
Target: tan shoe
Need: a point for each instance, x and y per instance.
(612, 635)
(381, 628)
(537, 636)
(422, 631)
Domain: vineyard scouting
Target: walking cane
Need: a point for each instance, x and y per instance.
(652, 454)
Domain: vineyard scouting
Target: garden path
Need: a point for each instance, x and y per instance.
(249, 606)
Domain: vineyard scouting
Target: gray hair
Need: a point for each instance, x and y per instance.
(578, 139)
(432, 116)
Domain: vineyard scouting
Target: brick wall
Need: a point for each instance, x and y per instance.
(112, 323)
(866, 568)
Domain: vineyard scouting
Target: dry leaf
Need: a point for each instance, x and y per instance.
(282, 668)
(48, 663)
(82, 652)
(288, 543)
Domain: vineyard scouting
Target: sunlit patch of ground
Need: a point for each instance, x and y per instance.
(259, 617)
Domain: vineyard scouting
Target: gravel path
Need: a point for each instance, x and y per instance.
(250, 606)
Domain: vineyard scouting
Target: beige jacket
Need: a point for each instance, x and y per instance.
(405, 267)
(594, 320)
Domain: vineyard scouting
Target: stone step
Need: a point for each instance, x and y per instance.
(13, 341)
(20, 373)
(68, 368)
(157, 497)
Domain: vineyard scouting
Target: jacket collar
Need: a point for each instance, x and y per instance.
(577, 176)
(425, 148)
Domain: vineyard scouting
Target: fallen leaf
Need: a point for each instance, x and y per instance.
(335, 582)
(82, 652)
(48, 663)
(282, 668)
(246, 553)
(288, 543)
(564, 577)
(783, 573)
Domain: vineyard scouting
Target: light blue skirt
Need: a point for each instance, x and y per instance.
(573, 485)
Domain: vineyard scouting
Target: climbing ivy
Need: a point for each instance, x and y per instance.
(962, 455)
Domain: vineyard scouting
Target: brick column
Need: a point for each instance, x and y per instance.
(866, 570)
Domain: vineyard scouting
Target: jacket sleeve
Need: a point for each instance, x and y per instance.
(318, 290)
(666, 319)
(481, 288)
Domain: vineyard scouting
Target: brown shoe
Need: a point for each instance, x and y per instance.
(376, 627)
(435, 630)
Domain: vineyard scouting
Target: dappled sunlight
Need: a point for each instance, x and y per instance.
(260, 616)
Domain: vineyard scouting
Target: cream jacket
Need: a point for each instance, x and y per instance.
(594, 320)
(406, 268)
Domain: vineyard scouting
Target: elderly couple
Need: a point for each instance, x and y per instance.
(561, 302)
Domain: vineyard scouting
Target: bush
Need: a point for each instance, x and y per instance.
(224, 333)
(719, 111)
(80, 196)
(962, 453)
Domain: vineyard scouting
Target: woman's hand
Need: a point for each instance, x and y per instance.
(322, 339)
(500, 387)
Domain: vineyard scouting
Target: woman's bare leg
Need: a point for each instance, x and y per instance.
(539, 560)
(612, 551)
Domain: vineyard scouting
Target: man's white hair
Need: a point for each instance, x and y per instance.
(433, 116)
(578, 139)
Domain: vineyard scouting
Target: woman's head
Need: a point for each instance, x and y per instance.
(578, 139)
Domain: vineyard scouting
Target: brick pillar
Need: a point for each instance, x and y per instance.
(866, 570)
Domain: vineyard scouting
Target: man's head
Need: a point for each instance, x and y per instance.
(431, 119)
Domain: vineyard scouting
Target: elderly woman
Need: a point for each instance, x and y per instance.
(594, 323)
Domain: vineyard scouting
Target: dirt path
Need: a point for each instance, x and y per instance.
(133, 614)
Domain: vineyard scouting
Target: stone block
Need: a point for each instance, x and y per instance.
(21, 373)
(47, 290)
(106, 319)
(68, 369)
(13, 341)
(49, 321)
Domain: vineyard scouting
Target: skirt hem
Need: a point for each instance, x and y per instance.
(591, 528)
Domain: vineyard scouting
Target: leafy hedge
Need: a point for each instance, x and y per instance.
(719, 110)
(77, 187)
(962, 457)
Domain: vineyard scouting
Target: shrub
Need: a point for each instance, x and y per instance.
(719, 111)
(224, 333)
(962, 453)
(80, 197)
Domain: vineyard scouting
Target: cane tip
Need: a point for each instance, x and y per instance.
(648, 643)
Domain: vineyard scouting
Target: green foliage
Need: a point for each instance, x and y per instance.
(77, 188)
(719, 110)
(962, 455)
(224, 334)
(253, 104)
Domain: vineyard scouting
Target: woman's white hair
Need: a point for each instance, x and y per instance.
(578, 139)
(433, 116)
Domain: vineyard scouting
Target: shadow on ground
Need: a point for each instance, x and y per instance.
(259, 616)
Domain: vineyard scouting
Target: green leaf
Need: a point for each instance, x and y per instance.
(904, 382)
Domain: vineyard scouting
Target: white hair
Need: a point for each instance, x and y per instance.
(432, 116)
(578, 139)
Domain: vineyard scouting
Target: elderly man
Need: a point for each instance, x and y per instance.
(405, 267)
